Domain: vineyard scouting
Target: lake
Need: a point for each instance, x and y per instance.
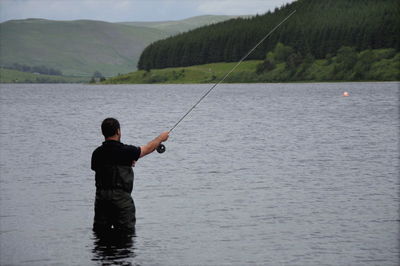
(257, 174)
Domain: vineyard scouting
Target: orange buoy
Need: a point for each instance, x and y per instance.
(345, 94)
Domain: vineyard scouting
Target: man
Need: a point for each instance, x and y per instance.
(113, 162)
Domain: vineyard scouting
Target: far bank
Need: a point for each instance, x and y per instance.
(280, 65)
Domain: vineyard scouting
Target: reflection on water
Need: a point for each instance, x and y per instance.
(113, 248)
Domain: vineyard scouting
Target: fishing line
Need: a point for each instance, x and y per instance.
(161, 147)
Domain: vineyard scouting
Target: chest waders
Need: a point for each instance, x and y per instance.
(114, 206)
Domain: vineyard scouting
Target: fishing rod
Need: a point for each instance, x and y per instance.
(161, 147)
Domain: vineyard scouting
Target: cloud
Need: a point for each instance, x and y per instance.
(65, 9)
(130, 10)
(109, 10)
(239, 7)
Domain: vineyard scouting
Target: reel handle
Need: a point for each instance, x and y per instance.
(161, 148)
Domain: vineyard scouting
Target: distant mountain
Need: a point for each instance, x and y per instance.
(174, 27)
(82, 47)
(74, 47)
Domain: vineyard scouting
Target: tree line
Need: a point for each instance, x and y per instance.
(284, 64)
(34, 69)
(317, 29)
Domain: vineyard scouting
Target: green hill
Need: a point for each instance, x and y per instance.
(79, 48)
(74, 47)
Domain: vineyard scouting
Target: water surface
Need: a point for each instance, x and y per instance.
(262, 174)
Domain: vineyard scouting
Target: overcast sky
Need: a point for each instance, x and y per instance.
(131, 10)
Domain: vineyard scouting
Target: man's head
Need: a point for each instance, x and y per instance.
(110, 128)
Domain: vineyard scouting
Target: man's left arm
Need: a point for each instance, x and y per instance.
(152, 145)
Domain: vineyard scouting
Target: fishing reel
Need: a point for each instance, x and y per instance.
(161, 148)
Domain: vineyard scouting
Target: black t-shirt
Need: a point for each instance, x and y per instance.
(114, 153)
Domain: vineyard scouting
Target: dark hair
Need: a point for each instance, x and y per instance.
(109, 127)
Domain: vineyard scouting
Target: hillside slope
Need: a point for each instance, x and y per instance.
(84, 46)
(74, 47)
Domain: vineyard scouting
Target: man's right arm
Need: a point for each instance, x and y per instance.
(93, 161)
(152, 145)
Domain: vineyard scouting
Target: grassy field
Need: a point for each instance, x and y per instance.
(14, 76)
(208, 73)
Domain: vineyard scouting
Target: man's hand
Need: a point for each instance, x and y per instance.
(164, 136)
(152, 145)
